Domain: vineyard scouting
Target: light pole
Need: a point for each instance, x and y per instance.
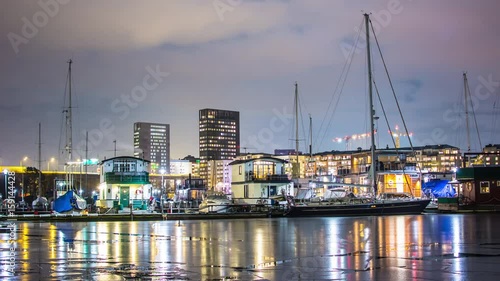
(22, 175)
(23, 160)
(5, 173)
(50, 161)
(162, 172)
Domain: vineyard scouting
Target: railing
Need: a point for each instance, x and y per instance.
(268, 178)
(131, 178)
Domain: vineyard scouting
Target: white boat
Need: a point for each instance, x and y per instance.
(215, 203)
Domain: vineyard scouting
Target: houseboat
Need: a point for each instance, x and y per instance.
(124, 183)
(259, 180)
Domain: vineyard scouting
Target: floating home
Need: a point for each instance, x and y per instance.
(124, 181)
(480, 185)
(259, 180)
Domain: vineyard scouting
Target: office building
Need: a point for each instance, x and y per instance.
(219, 138)
(152, 143)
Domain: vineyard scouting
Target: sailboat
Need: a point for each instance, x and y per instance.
(350, 205)
(70, 201)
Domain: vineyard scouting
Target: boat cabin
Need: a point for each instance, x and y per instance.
(480, 185)
(259, 180)
(124, 182)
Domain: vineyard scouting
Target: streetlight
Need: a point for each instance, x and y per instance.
(5, 172)
(162, 172)
(50, 161)
(24, 159)
(22, 175)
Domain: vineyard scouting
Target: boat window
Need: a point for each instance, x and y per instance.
(484, 187)
(245, 190)
(272, 190)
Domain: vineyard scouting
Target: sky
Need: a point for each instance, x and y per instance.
(163, 61)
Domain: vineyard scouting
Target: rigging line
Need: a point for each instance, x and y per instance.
(457, 103)
(493, 122)
(392, 136)
(385, 116)
(474, 115)
(392, 86)
(347, 65)
(397, 103)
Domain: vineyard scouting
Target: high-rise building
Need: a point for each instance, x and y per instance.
(152, 142)
(219, 138)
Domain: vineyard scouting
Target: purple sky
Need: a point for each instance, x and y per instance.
(244, 56)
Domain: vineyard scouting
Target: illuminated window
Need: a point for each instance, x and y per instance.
(484, 187)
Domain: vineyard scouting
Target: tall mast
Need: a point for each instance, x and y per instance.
(310, 136)
(297, 126)
(40, 159)
(86, 159)
(466, 110)
(69, 131)
(69, 122)
(310, 162)
(372, 110)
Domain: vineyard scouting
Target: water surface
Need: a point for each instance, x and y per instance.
(420, 247)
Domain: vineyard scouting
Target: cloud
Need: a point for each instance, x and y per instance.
(410, 89)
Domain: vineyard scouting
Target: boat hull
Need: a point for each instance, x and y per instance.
(362, 209)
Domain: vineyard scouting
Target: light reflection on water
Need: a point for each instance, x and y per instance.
(431, 247)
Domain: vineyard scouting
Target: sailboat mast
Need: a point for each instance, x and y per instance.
(373, 169)
(40, 159)
(310, 136)
(466, 110)
(86, 159)
(70, 122)
(297, 125)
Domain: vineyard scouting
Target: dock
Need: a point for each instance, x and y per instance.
(137, 216)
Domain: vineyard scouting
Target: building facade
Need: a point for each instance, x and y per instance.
(180, 167)
(152, 143)
(219, 139)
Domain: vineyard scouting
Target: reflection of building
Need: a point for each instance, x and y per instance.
(124, 180)
(152, 142)
(258, 179)
(219, 138)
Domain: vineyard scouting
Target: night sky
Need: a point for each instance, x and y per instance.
(163, 61)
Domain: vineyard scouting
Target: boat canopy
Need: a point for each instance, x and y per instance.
(439, 188)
